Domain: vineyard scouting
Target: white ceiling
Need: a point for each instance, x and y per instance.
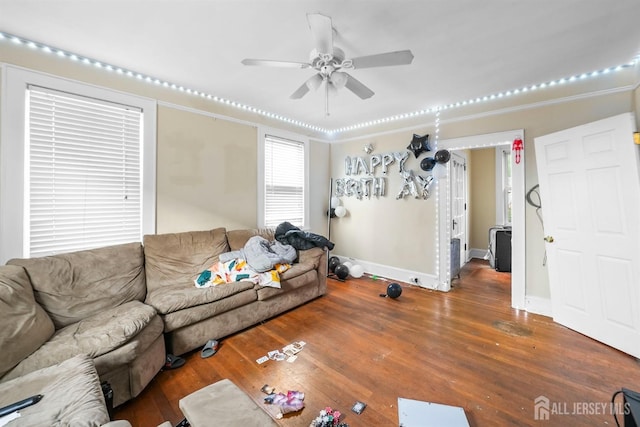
(463, 48)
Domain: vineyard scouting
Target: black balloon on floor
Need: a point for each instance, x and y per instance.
(394, 290)
(342, 271)
(334, 261)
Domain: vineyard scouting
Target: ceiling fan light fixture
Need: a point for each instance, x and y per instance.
(314, 82)
(339, 79)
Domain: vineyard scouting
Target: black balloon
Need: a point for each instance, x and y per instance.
(427, 164)
(442, 156)
(342, 271)
(334, 261)
(419, 144)
(394, 290)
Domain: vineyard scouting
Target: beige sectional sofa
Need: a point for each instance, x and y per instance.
(88, 302)
(194, 315)
(118, 305)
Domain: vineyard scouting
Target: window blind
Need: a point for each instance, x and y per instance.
(284, 181)
(84, 172)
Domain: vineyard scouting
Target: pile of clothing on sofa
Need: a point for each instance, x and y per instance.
(261, 261)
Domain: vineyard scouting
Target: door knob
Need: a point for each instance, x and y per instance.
(548, 239)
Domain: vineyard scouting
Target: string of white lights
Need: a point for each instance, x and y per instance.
(437, 205)
(149, 79)
(152, 80)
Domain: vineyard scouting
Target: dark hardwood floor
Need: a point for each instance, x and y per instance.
(464, 348)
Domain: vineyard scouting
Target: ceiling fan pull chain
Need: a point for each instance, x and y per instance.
(326, 97)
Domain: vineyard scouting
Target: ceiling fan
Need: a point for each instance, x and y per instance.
(330, 62)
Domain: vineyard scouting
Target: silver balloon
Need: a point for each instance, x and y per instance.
(401, 157)
(340, 187)
(387, 159)
(425, 184)
(349, 187)
(359, 192)
(408, 185)
(361, 164)
(368, 148)
(379, 186)
(375, 161)
(348, 170)
(365, 183)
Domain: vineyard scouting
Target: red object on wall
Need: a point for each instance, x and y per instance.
(517, 147)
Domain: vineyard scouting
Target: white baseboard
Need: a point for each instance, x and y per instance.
(477, 253)
(538, 305)
(393, 273)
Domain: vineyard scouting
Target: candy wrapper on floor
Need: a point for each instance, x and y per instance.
(290, 402)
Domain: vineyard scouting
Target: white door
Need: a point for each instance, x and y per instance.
(590, 193)
(459, 203)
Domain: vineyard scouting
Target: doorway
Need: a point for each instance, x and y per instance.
(444, 234)
(459, 203)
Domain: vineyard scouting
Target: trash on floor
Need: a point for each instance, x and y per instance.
(328, 418)
(288, 353)
(293, 401)
(358, 407)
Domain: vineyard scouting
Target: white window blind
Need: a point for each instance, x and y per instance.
(284, 165)
(84, 172)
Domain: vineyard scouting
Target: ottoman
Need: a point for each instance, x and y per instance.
(223, 404)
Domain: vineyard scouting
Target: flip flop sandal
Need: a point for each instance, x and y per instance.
(173, 362)
(209, 349)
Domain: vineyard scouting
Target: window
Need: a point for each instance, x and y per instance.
(84, 172)
(285, 183)
(82, 161)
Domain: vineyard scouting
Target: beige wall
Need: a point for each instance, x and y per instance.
(384, 230)
(206, 172)
(482, 195)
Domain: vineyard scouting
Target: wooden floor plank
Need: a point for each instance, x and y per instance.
(465, 348)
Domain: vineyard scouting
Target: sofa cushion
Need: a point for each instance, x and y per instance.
(71, 391)
(186, 295)
(304, 277)
(25, 325)
(131, 350)
(94, 336)
(238, 238)
(178, 319)
(77, 285)
(177, 258)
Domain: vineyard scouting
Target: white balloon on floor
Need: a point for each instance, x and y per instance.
(356, 271)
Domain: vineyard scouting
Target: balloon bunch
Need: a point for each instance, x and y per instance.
(336, 209)
(436, 164)
(344, 269)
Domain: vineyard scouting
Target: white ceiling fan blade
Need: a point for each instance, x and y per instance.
(271, 63)
(358, 88)
(300, 92)
(312, 82)
(322, 31)
(401, 57)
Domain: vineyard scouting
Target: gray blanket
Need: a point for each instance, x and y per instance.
(262, 254)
